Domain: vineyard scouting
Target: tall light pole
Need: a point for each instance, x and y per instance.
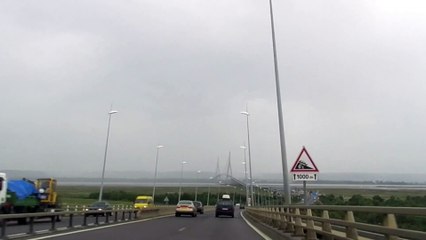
(220, 183)
(181, 177)
(287, 195)
(155, 173)
(196, 185)
(105, 155)
(208, 193)
(249, 155)
(245, 172)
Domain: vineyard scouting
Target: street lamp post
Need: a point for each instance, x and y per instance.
(208, 193)
(196, 185)
(181, 177)
(155, 173)
(105, 154)
(245, 173)
(220, 183)
(280, 113)
(249, 155)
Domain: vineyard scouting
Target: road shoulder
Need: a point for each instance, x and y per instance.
(270, 232)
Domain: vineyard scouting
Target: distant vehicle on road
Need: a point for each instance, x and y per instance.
(142, 202)
(186, 207)
(199, 206)
(225, 207)
(99, 207)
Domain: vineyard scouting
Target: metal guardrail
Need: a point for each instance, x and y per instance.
(300, 221)
(119, 214)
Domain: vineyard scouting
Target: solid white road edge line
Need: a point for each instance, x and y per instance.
(100, 227)
(255, 228)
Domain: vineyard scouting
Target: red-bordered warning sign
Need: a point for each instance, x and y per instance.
(304, 163)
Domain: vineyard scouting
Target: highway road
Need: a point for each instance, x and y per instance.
(204, 226)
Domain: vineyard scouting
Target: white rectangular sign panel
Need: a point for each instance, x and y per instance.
(305, 177)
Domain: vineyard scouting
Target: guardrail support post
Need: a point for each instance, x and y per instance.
(70, 223)
(85, 220)
(3, 228)
(31, 230)
(276, 217)
(310, 228)
(351, 232)
(53, 223)
(281, 219)
(290, 223)
(298, 224)
(326, 226)
(390, 222)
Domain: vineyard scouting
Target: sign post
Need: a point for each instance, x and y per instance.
(304, 169)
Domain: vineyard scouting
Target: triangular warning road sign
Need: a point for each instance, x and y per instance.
(304, 163)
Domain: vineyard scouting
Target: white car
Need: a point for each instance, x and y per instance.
(186, 207)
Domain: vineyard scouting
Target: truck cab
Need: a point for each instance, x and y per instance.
(47, 192)
(3, 188)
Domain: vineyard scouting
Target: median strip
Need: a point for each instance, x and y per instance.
(100, 227)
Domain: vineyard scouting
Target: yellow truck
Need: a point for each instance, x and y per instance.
(142, 202)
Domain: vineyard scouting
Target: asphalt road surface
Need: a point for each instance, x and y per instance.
(204, 226)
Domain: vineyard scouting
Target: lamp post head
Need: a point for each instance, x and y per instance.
(112, 112)
(243, 147)
(244, 163)
(199, 171)
(210, 177)
(160, 146)
(184, 162)
(245, 113)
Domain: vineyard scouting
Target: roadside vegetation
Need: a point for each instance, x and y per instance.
(408, 222)
(84, 195)
(124, 196)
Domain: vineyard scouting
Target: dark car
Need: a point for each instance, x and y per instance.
(225, 207)
(98, 208)
(199, 206)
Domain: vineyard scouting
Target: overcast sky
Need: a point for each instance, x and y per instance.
(353, 82)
